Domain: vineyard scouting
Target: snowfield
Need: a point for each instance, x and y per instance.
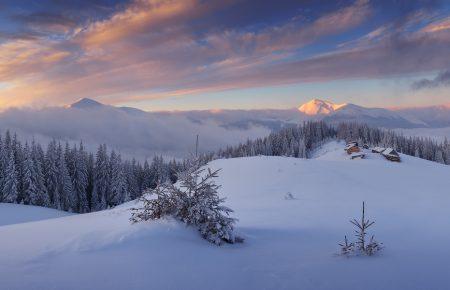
(292, 213)
(17, 213)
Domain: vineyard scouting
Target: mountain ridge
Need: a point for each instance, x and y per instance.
(319, 107)
(315, 109)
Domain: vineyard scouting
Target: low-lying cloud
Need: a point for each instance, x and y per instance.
(133, 133)
(441, 80)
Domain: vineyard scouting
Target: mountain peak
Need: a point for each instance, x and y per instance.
(319, 107)
(85, 103)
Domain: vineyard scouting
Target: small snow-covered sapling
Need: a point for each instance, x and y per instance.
(361, 245)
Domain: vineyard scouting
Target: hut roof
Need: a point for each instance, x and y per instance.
(357, 155)
(351, 145)
(390, 151)
(378, 149)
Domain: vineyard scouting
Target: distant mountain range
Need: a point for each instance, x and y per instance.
(426, 117)
(139, 133)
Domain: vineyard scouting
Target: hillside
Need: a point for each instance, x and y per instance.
(290, 243)
(18, 213)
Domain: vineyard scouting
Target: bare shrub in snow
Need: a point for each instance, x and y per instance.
(194, 201)
(346, 247)
(362, 245)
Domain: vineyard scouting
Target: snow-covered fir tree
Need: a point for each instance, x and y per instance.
(66, 194)
(118, 192)
(131, 171)
(37, 154)
(203, 207)
(195, 201)
(29, 179)
(148, 176)
(52, 175)
(100, 193)
(10, 182)
(80, 179)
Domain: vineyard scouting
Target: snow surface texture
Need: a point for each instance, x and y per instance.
(18, 213)
(290, 242)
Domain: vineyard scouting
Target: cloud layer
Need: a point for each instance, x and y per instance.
(133, 133)
(442, 79)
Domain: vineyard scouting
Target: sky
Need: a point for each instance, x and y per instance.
(208, 54)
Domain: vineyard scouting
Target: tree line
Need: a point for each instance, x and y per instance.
(69, 178)
(421, 147)
(300, 141)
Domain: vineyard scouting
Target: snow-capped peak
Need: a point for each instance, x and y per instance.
(319, 107)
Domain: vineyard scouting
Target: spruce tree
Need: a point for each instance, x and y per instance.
(80, 179)
(195, 202)
(67, 198)
(10, 182)
(29, 179)
(131, 174)
(100, 193)
(37, 155)
(52, 175)
(3, 162)
(118, 190)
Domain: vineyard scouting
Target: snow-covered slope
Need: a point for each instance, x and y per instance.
(17, 213)
(290, 243)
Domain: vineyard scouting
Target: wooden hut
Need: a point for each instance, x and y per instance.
(378, 149)
(352, 148)
(391, 155)
(357, 155)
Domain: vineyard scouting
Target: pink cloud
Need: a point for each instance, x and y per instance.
(148, 50)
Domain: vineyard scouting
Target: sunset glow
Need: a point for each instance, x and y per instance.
(223, 54)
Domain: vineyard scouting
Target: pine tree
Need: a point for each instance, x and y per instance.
(439, 157)
(100, 193)
(195, 202)
(30, 184)
(91, 176)
(66, 195)
(80, 179)
(204, 208)
(118, 190)
(3, 163)
(362, 245)
(69, 158)
(37, 155)
(131, 173)
(18, 160)
(148, 177)
(10, 183)
(52, 175)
